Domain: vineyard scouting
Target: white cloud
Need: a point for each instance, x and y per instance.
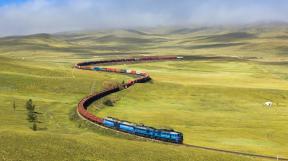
(39, 16)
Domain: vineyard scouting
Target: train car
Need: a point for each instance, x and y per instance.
(128, 71)
(169, 135)
(127, 127)
(83, 112)
(118, 70)
(144, 131)
(133, 71)
(104, 69)
(138, 73)
(176, 137)
(122, 70)
(85, 67)
(110, 122)
(109, 69)
(98, 68)
(131, 82)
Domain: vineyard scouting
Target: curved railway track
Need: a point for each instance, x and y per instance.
(141, 77)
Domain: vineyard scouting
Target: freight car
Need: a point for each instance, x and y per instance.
(125, 126)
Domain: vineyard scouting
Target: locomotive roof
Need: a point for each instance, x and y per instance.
(141, 126)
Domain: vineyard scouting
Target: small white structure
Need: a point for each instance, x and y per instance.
(268, 104)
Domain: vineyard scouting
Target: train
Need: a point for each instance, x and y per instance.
(167, 135)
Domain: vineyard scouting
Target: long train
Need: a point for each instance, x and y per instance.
(141, 130)
(167, 135)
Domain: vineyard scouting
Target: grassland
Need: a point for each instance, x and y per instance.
(216, 103)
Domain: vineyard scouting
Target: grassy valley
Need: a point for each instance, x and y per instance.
(214, 102)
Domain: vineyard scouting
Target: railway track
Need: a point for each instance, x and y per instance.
(143, 77)
(237, 152)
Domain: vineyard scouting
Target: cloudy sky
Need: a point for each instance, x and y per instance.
(19, 17)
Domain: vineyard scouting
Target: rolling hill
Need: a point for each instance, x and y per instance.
(215, 102)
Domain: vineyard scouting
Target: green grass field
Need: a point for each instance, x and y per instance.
(215, 103)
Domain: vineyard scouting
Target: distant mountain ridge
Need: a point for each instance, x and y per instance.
(267, 39)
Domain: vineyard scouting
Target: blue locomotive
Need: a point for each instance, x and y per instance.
(145, 131)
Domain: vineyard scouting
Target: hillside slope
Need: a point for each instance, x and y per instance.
(40, 67)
